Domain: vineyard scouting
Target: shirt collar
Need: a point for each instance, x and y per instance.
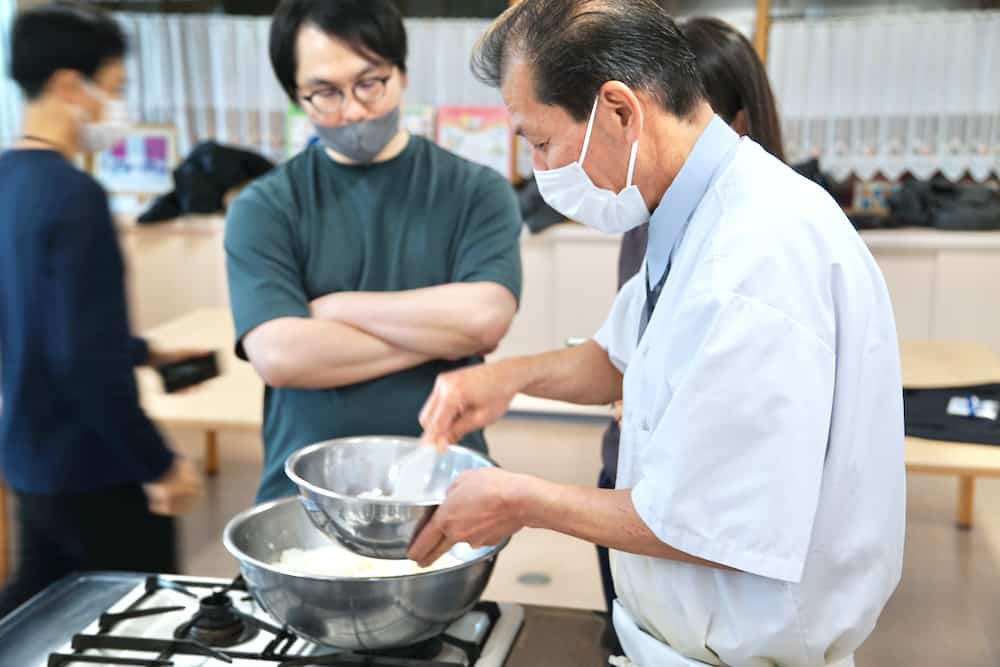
(713, 149)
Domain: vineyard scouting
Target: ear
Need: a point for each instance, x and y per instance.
(66, 86)
(626, 108)
(741, 123)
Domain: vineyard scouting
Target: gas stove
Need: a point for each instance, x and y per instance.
(167, 621)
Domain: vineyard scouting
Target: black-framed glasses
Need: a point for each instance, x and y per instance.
(367, 91)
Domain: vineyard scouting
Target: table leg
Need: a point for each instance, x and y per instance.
(211, 453)
(4, 536)
(966, 497)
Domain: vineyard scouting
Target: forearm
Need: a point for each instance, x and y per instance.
(310, 354)
(447, 321)
(582, 374)
(598, 516)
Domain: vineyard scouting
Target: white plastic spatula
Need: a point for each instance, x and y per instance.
(416, 475)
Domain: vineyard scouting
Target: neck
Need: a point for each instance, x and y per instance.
(668, 141)
(48, 126)
(391, 150)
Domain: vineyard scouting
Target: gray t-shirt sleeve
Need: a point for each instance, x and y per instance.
(489, 248)
(265, 281)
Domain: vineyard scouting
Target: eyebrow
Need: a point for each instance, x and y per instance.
(317, 82)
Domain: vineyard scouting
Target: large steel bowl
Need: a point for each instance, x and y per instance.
(349, 613)
(331, 475)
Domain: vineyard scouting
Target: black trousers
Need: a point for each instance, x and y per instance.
(109, 529)
(607, 583)
(603, 557)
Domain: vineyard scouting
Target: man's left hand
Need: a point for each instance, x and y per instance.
(481, 509)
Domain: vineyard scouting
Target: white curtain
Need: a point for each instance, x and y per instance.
(207, 75)
(892, 93)
(211, 76)
(438, 66)
(10, 96)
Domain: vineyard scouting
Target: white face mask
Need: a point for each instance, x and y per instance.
(113, 125)
(571, 192)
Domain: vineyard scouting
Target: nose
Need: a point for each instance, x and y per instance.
(353, 111)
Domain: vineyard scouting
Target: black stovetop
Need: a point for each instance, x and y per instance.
(550, 637)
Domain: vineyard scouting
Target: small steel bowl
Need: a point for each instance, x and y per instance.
(351, 488)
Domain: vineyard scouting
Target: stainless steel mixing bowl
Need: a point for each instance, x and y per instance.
(331, 475)
(349, 613)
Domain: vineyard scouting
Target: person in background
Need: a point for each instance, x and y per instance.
(739, 91)
(95, 483)
(372, 261)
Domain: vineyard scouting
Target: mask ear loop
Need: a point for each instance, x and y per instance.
(631, 163)
(590, 127)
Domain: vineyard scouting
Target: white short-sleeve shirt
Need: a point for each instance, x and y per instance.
(763, 430)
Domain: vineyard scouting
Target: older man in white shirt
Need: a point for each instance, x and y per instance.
(758, 517)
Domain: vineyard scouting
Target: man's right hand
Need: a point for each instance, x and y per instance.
(176, 492)
(467, 400)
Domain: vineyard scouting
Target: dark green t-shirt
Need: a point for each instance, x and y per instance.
(313, 226)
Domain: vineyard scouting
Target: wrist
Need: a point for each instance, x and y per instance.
(523, 498)
(518, 374)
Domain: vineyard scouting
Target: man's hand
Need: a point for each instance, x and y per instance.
(480, 509)
(176, 492)
(467, 400)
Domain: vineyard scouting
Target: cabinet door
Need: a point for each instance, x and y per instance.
(171, 272)
(585, 286)
(910, 278)
(531, 330)
(967, 297)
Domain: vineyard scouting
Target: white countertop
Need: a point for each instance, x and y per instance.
(920, 238)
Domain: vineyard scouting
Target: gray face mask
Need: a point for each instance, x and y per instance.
(363, 140)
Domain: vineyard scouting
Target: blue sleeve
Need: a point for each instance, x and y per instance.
(89, 343)
(140, 351)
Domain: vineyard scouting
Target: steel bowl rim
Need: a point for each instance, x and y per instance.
(327, 493)
(238, 554)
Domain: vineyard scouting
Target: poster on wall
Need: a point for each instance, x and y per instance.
(478, 133)
(418, 119)
(138, 168)
(140, 164)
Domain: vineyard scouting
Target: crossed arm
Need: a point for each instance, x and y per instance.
(357, 336)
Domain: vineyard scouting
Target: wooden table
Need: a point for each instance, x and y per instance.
(943, 364)
(233, 401)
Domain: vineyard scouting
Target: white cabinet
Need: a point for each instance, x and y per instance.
(570, 276)
(173, 268)
(944, 285)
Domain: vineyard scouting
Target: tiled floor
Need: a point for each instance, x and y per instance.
(945, 613)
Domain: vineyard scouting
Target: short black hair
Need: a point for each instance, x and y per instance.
(576, 46)
(373, 28)
(62, 35)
